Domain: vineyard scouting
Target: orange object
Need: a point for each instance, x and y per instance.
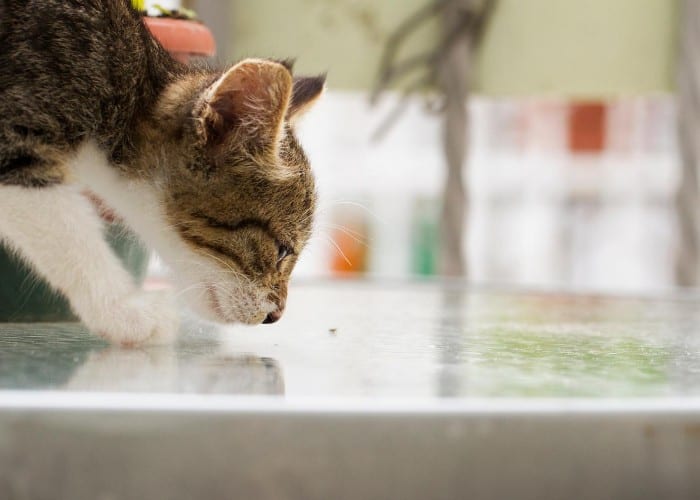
(350, 254)
(183, 39)
(587, 128)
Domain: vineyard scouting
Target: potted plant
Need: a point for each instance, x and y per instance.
(181, 34)
(24, 297)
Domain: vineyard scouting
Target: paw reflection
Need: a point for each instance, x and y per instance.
(175, 370)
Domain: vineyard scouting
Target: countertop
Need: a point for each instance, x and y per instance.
(366, 390)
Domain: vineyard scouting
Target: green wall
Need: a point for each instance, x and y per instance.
(576, 48)
(580, 48)
(343, 37)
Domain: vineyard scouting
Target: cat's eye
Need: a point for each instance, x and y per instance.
(282, 252)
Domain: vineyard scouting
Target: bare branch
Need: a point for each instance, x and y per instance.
(471, 23)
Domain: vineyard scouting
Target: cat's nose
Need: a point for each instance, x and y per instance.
(277, 313)
(272, 317)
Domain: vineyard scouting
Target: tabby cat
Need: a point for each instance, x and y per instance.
(203, 164)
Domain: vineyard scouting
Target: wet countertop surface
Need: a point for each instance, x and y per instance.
(425, 342)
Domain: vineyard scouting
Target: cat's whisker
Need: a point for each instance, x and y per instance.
(331, 204)
(340, 251)
(195, 262)
(345, 229)
(357, 237)
(201, 286)
(207, 267)
(228, 266)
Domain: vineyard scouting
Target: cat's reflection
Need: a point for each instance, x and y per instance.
(65, 356)
(172, 370)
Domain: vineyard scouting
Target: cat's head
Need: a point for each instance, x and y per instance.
(238, 190)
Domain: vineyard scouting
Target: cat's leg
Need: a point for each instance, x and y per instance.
(58, 232)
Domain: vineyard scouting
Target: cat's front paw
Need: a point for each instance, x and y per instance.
(138, 319)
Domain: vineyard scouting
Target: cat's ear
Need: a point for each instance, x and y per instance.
(248, 104)
(306, 91)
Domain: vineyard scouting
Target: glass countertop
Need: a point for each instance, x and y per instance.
(425, 342)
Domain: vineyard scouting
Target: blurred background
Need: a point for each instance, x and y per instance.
(545, 143)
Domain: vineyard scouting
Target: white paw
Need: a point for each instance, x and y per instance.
(138, 319)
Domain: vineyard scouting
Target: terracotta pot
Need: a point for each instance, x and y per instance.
(183, 39)
(23, 298)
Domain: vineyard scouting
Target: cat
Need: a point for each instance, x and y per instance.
(202, 164)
